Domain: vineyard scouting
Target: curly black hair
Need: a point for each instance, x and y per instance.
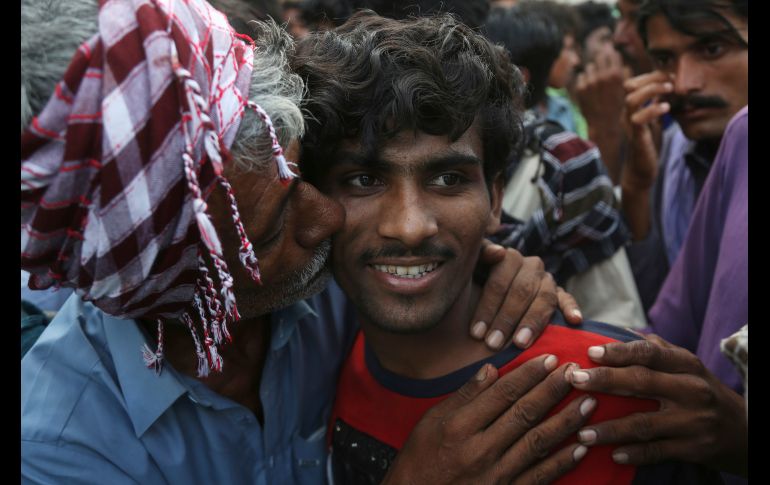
(374, 77)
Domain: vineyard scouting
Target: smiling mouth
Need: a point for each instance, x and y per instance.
(410, 272)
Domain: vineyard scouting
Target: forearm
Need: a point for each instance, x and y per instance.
(635, 202)
(610, 140)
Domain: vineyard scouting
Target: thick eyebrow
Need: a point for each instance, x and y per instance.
(441, 161)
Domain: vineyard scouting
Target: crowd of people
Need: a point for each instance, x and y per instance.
(383, 241)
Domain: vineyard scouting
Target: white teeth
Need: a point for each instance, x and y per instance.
(407, 271)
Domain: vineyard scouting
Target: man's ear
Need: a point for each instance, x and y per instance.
(496, 207)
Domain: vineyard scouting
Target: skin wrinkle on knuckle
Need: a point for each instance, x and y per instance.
(497, 286)
(503, 321)
(524, 415)
(641, 427)
(525, 292)
(695, 365)
(550, 299)
(465, 393)
(700, 392)
(641, 379)
(536, 443)
(455, 429)
(645, 352)
(540, 476)
(508, 391)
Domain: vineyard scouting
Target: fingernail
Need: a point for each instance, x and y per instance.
(479, 329)
(596, 352)
(568, 371)
(550, 362)
(495, 339)
(587, 406)
(482, 373)
(620, 457)
(665, 106)
(576, 313)
(523, 337)
(587, 436)
(579, 452)
(580, 376)
(668, 86)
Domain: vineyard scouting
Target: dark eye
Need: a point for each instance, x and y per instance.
(662, 61)
(363, 180)
(712, 49)
(446, 180)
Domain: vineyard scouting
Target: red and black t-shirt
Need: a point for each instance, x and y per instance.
(375, 410)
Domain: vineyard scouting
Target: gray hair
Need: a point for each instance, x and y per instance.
(52, 30)
(278, 90)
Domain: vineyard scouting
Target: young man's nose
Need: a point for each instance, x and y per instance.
(406, 217)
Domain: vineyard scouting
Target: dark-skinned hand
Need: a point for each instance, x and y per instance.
(489, 431)
(700, 420)
(518, 299)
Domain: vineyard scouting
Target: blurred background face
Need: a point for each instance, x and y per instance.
(564, 67)
(598, 44)
(627, 39)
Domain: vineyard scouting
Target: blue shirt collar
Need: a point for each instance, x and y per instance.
(284, 322)
(158, 391)
(125, 341)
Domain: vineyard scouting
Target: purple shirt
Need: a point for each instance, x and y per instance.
(705, 296)
(679, 192)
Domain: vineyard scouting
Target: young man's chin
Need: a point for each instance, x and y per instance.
(409, 316)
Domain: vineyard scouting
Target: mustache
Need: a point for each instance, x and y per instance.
(398, 250)
(679, 103)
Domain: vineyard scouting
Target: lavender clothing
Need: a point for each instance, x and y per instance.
(705, 296)
(679, 192)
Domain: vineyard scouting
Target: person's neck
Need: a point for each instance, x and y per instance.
(436, 352)
(243, 359)
(707, 149)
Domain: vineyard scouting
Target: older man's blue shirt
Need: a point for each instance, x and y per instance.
(93, 413)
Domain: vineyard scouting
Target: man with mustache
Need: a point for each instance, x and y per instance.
(407, 120)
(699, 50)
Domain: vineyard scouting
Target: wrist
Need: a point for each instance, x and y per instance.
(636, 183)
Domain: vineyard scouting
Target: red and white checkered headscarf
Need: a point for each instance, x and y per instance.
(116, 168)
